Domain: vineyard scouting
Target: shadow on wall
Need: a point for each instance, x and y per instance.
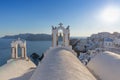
(25, 76)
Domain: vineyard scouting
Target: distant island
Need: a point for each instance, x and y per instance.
(31, 37)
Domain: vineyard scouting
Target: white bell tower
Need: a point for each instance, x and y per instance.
(66, 34)
(14, 46)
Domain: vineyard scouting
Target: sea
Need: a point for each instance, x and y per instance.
(38, 47)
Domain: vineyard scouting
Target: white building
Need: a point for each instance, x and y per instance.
(101, 35)
(18, 67)
(116, 42)
(108, 43)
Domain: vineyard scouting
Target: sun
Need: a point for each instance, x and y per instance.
(110, 14)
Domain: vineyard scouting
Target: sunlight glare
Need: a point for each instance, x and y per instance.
(110, 14)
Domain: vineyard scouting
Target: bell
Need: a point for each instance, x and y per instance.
(60, 35)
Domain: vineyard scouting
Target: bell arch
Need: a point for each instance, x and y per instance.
(60, 37)
(66, 35)
(14, 46)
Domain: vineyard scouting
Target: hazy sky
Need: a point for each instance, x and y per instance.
(37, 16)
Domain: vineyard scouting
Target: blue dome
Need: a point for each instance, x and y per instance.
(108, 39)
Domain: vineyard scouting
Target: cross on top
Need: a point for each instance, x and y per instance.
(60, 24)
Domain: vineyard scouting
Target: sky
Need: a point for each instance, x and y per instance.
(85, 17)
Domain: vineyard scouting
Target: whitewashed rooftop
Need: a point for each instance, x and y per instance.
(106, 66)
(61, 64)
(18, 69)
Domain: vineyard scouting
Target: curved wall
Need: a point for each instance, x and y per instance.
(61, 64)
(106, 66)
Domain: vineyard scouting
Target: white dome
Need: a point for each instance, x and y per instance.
(106, 66)
(61, 64)
(17, 69)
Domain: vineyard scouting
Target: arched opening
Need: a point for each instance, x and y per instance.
(60, 37)
(19, 50)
